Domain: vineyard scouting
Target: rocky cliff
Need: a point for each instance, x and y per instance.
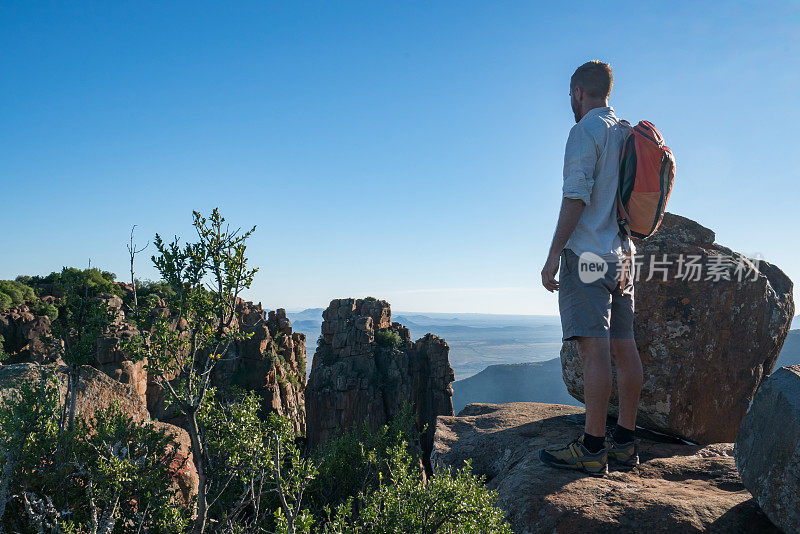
(709, 327)
(366, 368)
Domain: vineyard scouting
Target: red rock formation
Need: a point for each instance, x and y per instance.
(355, 378)
(705, 344)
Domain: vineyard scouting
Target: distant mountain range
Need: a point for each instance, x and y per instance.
(498, 358)
(476, 340)
(790, 354)
(516, 382)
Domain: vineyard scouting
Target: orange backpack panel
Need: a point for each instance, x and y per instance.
(646, 176)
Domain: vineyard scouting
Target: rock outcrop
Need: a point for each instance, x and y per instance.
(366, 368)
(677, 487)
(111, 357)
(25, 334)
(96, 391)
(767, 448)
(272, 362)
(705, 343)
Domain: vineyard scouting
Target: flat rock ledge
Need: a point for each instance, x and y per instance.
(677, 487)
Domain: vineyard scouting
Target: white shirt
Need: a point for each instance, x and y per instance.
(591, 174)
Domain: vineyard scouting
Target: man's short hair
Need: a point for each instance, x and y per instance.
(594, 77)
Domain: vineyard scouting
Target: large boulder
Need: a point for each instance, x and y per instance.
(767, 448)
(705, 343)
(366, 368)
(95, 390)
(677, 487)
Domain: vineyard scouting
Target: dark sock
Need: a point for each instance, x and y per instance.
(622, 434)
(594, 443)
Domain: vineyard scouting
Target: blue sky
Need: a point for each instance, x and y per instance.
(407, 150)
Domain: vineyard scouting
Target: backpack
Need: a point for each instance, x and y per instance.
(646, 175)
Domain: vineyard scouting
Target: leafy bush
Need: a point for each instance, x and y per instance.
(148, 289)
(108, 473)
(14, 291)
(45, 308)
(387, 338)
(96, 280)
(451, 501)
(358, 460)
(371, 483)
(259, 473)
(81, 317)
(3, 353)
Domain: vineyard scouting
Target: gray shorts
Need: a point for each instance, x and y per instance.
(598, 308)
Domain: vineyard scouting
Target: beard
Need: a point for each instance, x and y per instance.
(576, 109)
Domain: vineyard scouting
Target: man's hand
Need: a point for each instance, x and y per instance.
(549, 274)
(571, 210)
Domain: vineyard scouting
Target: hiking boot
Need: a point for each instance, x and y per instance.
(622, 453)
(576, 456)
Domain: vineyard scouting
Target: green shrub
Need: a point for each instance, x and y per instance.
(371, 483)
(358, 460)
(96, 280)
(3, 353)
(451, 501)
(5, 301)
(16, 291)
(301, 366)
(81, 317)
(108, 468)
(259, 459)
(387, 338)
(146, 288)
(45, 308)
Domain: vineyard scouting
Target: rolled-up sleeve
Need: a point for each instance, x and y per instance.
(580, 158)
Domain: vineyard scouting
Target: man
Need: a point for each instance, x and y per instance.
(598, 312)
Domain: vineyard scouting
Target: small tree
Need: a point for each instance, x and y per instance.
(260, 478)
(183, 342)
(132, 252)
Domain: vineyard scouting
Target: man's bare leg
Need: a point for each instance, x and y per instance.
(596, 356)
(629, 380)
